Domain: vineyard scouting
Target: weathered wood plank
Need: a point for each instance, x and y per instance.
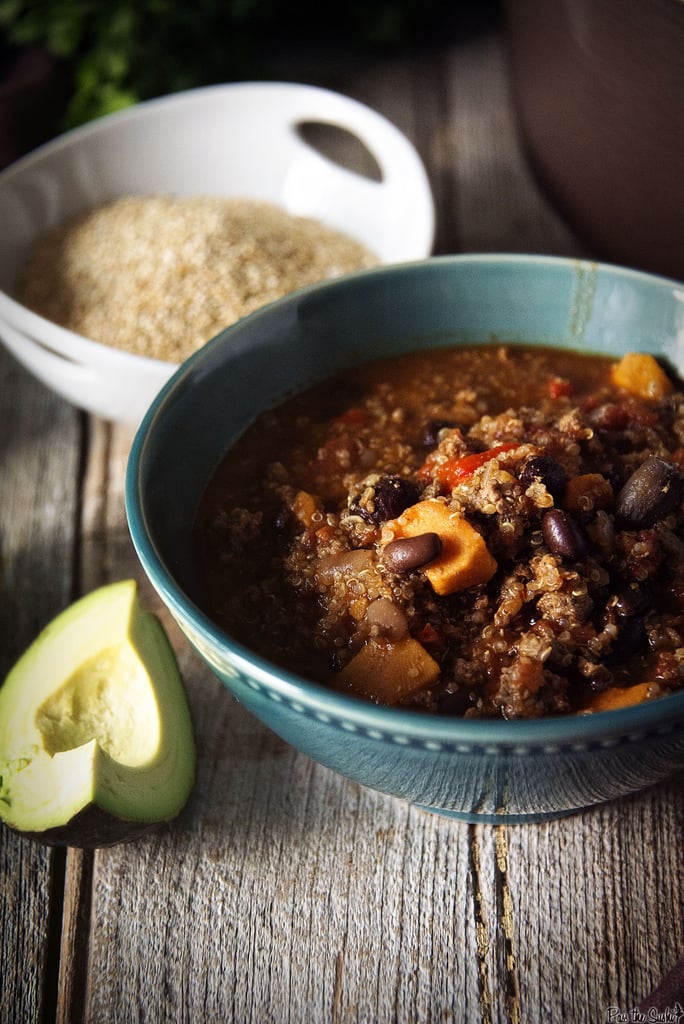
(598, 902)
(72, 962)
(39, 479)
(297, 896)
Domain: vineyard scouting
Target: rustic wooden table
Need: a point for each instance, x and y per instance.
(284, 893)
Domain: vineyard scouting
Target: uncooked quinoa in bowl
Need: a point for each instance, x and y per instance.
(159, 275)
(439, 547)
(129, 242)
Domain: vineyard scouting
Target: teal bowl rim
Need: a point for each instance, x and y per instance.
(544, 735)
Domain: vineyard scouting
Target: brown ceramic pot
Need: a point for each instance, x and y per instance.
(599, 90)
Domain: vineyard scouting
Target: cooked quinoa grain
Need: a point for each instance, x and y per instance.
(493, 531)
(160, 275)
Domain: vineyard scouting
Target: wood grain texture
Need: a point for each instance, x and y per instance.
(598, 899)
(40, 444)
(283, 893)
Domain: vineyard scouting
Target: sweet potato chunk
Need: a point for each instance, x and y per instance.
(305, 506)
(620, 697)
(641, 375)
(464, 561)
(389, 672)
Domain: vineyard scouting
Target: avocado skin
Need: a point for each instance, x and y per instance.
(91, 829)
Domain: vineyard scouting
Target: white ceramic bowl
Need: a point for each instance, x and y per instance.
(239, 139)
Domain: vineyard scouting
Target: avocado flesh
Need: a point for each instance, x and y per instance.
(94, 715)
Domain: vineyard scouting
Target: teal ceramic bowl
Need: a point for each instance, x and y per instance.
(474, 770)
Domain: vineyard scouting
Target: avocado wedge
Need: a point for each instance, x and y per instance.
(96, 739)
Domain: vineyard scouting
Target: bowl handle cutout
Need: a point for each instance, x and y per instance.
(390, 163)
(343, 148)
(340, 146)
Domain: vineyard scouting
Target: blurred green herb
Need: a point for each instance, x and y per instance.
(123, 51)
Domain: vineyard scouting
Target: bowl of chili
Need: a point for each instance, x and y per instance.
(521, 563)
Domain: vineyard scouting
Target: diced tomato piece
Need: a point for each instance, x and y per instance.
(429, 637)
(454, 471)
(559, 387)
(351, 417)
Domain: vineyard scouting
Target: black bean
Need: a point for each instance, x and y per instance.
(547, 471)
(632, 601)
(392, 494)
(431, 431)
(651, 493)
(563, 536)
(409, 553)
